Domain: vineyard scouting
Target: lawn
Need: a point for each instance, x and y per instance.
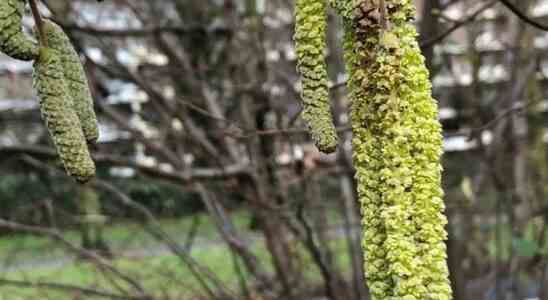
(122, 235)
(163, 274)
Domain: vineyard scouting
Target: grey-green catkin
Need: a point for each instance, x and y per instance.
(13, 41)
(59, 116)
(75, 77)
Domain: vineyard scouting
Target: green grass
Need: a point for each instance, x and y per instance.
(120, 235)
(163, 275)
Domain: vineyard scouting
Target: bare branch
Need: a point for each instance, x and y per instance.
(516, 11)
(56, 235)
(469, 19)
(69, 288)
(112, 160)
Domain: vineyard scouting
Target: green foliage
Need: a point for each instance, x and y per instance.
(19, 191)
(310, 44)
(13, 41)
(61, 120)
(75, 78)
(526, 248)
(22, 194)
(162, 199)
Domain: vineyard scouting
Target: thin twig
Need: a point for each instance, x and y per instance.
(514, 9)
(57, 236)
(436, 39)
(39, 22)
(69, 288)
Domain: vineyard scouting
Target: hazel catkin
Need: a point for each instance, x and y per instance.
(75, 78)
(397, 144)
(59, 116)
(13, 41)
(310, 44)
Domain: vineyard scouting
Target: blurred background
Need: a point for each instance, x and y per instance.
(208, 186)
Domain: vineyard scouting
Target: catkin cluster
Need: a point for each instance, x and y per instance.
(397, 145)
(59, 115)
(59, 78)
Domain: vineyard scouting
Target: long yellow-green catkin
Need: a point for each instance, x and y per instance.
(59, 116)
(76, 79)
(13, 41)
(368, 162)
(397, 147)
(310, 44)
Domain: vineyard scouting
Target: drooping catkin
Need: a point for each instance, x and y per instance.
(13, 41)
(397, 145)
(75, 78)
(310, 44)
(59, 116)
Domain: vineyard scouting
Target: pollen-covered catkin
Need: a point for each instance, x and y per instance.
(59, 116)
(75, 78)
(310, 44)
(13, 41)
(397, 144)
